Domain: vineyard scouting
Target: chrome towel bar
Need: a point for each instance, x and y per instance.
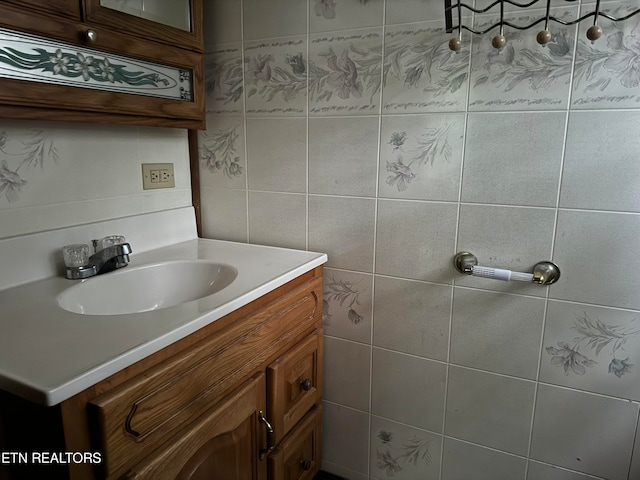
(544, 273)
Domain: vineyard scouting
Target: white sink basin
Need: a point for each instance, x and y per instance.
(147, 287)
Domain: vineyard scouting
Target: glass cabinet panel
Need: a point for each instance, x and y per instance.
(174, 13)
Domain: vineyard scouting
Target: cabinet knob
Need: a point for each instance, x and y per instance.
(91, 36)
(306, 384)
(305, 464)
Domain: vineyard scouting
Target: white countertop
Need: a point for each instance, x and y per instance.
(48, 354)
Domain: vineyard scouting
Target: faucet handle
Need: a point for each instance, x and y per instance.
(109, 241)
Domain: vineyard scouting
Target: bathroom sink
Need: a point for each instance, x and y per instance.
(147, 287)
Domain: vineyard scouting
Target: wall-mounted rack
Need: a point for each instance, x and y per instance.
(499, 41)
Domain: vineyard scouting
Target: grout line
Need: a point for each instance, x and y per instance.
(244, 120)
(306, 218)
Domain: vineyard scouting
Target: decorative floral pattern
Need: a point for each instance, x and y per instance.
(223, 81)
(218, 152)
(346, 67)
(421, 73)
(607, 72)
(276, 77)
(33, 151)
(43, 60)
(523, 73)
(344, 293)
(597, 336)
(433, 144)
(408, 454)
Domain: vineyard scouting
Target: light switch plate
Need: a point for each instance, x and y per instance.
(157, 175)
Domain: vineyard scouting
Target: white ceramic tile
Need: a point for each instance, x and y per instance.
(343, 155)
(415, 240)
(496, 332)
(224, 214)
(592, 348)
(407, 11)
(603, 76)
(492, 410)
(344, 72)
(408, 389)
(223, 83)
(403, 452)
(634, 472)
(278, 219)
(420, 156)
(347, 306)
(275, 77)
(421, 73)
(412, 317)
(276, 154)
(601, 163)
(346, 373)
(344, 229)
(222, 21)
(221, 153)
(345, 434)
(513, 158)
(587, 239)
(342, 472)
(276, 18)
(541, 471)
(464, 461)
(514, 238)
(329, 15)
(584, 432)
(523, 75)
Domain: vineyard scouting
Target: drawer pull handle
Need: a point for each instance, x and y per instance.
(270, 432)
(306, 385)
(305, 464)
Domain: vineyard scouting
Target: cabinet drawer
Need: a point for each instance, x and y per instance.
(134, 418)
(220, 444)
(295, 384)
(298, 456)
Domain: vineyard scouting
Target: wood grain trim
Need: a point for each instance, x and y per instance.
(194, 163)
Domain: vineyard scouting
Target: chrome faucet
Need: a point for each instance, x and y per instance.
(102, 261)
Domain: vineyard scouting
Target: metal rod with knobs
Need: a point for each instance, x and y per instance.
(544, 273)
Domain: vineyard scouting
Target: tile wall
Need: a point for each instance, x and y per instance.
(55, 175)
(347, 126)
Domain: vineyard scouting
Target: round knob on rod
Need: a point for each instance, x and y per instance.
(306, 385)
(594, 33)
(543, 37)
(455, 44)
(91, 36)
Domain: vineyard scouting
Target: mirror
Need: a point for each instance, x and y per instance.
(174, 13)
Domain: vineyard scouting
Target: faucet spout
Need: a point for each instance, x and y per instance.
(110, 258)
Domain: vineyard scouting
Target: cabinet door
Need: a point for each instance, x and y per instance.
(224, 443)
(295, 384)
(64, 8)
(152, 20)
(298, 456)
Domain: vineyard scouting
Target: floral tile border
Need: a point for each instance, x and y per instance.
(421, 73)
(276, 77)
(523, 74)
(345, 73)
(605, 73)
(224, 82)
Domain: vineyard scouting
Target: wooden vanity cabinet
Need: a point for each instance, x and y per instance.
(200, 407)
(138, 93)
